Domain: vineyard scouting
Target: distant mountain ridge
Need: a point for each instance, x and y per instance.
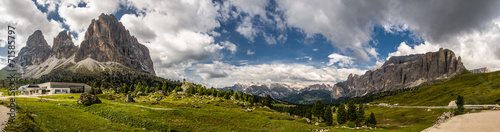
(107, 46)
(481, 70)
(396, 73)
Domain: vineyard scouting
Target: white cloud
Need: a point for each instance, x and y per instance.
(343, 61)
(315, 49)
(269, 39)
(404, 49)
(348, 25)
(79, 18)
(179, 33)
(246, 29)
(226, 74)
(249, 52)
(26, 18)
(229, 46)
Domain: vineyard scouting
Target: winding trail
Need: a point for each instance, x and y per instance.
(485, 121)
(3, 115)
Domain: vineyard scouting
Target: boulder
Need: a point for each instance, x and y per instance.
(444, 117)
(248, 110)
(140, 93)
(129, 98)
(88, 99)
(110, 97)
(161, 92)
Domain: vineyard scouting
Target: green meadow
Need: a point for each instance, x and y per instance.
(477, 88)
(179, 113)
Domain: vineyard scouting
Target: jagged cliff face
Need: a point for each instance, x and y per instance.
(36, 51)
(107, 40)
(405, 71)
(107, 46)
(63, 46)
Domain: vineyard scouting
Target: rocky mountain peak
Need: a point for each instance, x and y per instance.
(36, 51)
(107, 40)
(63, 46)
(406, 71)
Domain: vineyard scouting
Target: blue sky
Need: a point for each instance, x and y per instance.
(222, 42)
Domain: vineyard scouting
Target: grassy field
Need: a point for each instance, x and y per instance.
(177, 112)
(477, 88)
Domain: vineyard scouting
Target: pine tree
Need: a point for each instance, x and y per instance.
(371, 120)
(317, 109)
(164, 87)
(360, 114)
(351, 111)
(226, 96)
(267, 101)
(341, 114)
(328, 116)
(236, 97)
(138, 87)
(130, 88)
(124, 88)
(309, 113)
(460, 105)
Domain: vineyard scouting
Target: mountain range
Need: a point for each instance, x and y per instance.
(398, 72)
(107, 46)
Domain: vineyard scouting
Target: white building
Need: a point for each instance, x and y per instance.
(54, 88)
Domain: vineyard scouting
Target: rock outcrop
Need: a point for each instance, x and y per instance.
(36, 51)
(107, 40)
(481, 70)
(88, 99)
(405, 71)
(63, 46)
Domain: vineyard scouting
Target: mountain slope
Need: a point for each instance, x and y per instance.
(107, 46)
(107, 40)
(477, 88)
(405, 71)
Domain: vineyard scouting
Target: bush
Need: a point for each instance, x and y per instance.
(351, 124)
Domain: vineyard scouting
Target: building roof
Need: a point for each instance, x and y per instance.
(28, 86)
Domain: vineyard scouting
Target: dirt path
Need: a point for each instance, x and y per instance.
(3, 116)
(486, 121)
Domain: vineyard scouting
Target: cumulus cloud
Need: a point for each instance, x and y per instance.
(78, 18)
(249, 52)
(26, 18)
(229, 46)
(342, 61)
(227, 75)
(180, 33)
(404, 49)
(348, 25)
(269, 39)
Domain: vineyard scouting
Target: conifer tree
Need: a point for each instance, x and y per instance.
(328, 116)
(317, 109)
(351, 111)
(164, 87)
(460, 105)
(267, 101)
(124, 88)
(341, 114)
(371, 120)
(360, 114)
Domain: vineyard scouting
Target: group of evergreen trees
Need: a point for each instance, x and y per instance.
(354, 114)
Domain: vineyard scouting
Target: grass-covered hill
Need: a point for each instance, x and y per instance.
(185, 112)
(477, 88)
